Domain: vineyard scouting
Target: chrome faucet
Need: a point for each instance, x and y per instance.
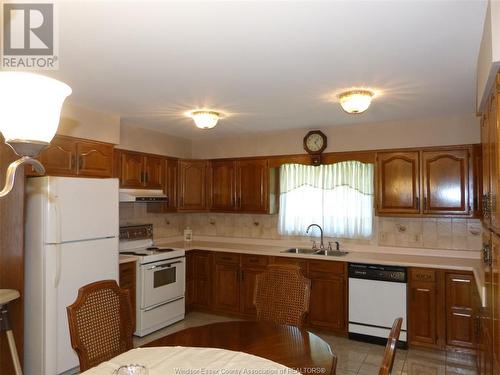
(322, 245)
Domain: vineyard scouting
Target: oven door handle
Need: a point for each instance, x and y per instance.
(168, 265)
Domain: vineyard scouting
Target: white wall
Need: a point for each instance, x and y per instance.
(416, 133)
(81, 122)
(136, 139)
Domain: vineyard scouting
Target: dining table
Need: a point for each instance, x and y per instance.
(230, 348)
(291, 346)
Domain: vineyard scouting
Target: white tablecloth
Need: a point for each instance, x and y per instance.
(193, 361)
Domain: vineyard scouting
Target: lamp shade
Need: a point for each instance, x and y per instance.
(205, 119)
(30, 106)
(355, 101)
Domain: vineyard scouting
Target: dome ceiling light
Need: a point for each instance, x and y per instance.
(355, 101)
(205, 119)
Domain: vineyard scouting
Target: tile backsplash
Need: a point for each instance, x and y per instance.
(456, 233)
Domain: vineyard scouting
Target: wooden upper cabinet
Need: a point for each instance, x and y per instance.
(171, 172)
(494, 154)
(252, 185)
(131, 167)
(398, 188)
(222, 183)
(141, 171)
(192, 188)
(446, 182)
(154, 172)
(59, 158)
(72, 157)
(94, 159)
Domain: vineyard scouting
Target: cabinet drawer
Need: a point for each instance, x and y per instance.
(296, 262)
(254, 260)
(423, 275)
(230, 258)
(323, 268)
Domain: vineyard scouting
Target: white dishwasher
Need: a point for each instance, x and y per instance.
(377, 296)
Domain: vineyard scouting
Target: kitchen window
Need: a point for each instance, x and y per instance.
(339, 197)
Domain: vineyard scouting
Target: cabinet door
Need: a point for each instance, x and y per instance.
(422, 308)
(251, 266)
(171, 184)
(398, 186)
(127, 281)
(494, 149)
(94, 159)
(459, 310)
(154, 172)
(222, 185)
(192, 187)
(59, 158)
(201, 293)
(495, 290)
(485, 150)
(131, 166)
(328, 301)
(252, 185)
(446, 182)
(227, 287)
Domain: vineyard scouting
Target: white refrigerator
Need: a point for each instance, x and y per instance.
(71, 239)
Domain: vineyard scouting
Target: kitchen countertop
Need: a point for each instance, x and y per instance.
(430, 261)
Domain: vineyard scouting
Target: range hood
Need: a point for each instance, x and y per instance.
(142, 196)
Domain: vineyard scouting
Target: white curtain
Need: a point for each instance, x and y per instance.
(339, 197)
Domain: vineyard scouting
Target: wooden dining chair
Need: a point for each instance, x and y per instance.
(282, 295)
(100, 323)
(390, 348)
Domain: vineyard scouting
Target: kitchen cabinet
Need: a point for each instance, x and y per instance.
(423, 311)
(328, 304)
(460, 324)
(222, 185)
(252, 185)
(251, 266)
(398, 185)
(140, 171)
(242, 185)
(127, 280)
(192, 185)
(198, 279)
(438, 181)
(169, 187)
(72, 157)
(495, 301)
(446, 182)
(227, 282)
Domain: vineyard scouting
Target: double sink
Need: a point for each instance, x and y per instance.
(299, 250)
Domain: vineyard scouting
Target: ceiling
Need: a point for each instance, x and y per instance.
(268, 65)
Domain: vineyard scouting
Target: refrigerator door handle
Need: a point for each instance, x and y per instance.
(57, 276)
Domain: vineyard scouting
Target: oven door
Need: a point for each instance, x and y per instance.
(162, 281)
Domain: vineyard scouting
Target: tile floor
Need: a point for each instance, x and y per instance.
(356, 358)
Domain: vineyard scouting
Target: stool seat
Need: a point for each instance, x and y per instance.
(8, 295)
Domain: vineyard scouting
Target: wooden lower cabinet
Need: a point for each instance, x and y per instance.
(198, 280)
(441, 308)
(423, 314)
(227, 282)
(127, 280)
(251, 266)
(460, 322)
(328, 304)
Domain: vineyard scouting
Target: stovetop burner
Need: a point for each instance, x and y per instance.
(148, 251)
(159, 250)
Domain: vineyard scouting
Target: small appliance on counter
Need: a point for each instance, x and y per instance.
(160, 279)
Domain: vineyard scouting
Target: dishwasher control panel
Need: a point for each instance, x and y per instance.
(377, 272)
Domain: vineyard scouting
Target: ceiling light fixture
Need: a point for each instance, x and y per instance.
(205, 119)
(30, 108)
(355, 101)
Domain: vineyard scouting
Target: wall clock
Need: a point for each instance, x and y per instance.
(315, 143)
